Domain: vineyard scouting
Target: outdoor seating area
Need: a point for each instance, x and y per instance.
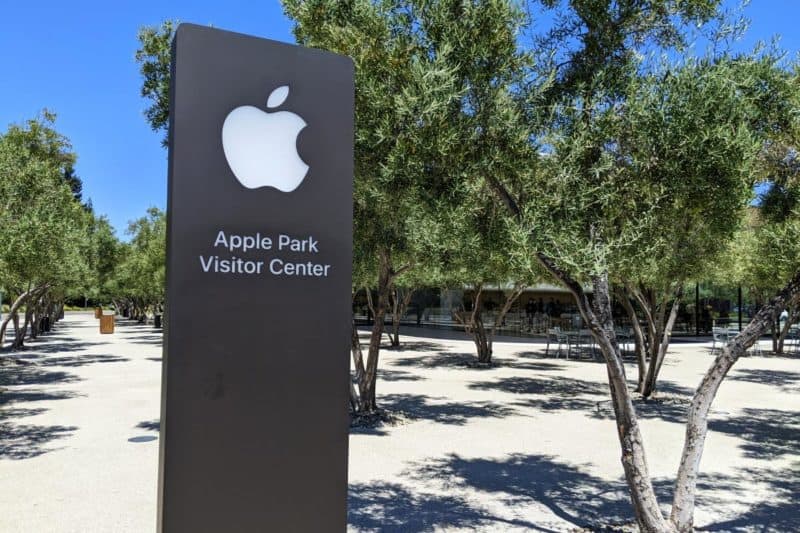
(571, 340)
(571, 343)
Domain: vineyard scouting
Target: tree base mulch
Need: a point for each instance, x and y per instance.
(379, 418)
(663, 399)
(607, 528)
(659, 404)
(477, 365)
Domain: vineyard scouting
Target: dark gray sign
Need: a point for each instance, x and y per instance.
(254, 421)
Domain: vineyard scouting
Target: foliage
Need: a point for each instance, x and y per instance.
(140, 276)
(402, 99)
(43, 238)
(628, 146)
(105, 255)
(153, 57)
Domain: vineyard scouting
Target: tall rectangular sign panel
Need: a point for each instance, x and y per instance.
(254, 421)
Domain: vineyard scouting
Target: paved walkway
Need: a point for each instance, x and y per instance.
(527, 446)
(78, 431)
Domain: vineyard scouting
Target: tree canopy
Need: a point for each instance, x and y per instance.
(44, 239)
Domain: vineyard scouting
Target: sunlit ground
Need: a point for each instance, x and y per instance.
(527, 445)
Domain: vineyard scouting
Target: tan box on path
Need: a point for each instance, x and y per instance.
(106, 323)
(98, 311)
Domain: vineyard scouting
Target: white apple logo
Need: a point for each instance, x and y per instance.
(261, 148)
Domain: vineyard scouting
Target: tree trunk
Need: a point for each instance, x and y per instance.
(659, 332)
(32, 303)
(12, 311)
(358, 363)
(355, 402)
(634, 459)
(399, 306)
(370, 304)
(36, 307)
(773, 331)
(783, 331)
(355, 350)
(598, 317)
(15, 321)
(36, 318)
(19, 339)
(482, 342)
(516, 292)
(368, 403)
(474, 327)
(659, 348)
(634, 462)
(640, 344)
(117, 306)
(682, 515)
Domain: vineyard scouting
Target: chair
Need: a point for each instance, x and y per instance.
(541, 323)
(793, 335)
(583, 341)
(556, 336)
(718, 335)
(755, 349)
(624, 339)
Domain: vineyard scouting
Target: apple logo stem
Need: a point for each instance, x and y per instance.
(261, 147)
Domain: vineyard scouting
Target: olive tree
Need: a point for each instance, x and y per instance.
(685, 152)
(597, 209)
(104, 257)
(43, 227)
(403, 98)
(138, 281)
(470, 246)
(766, 250)
(400, 95)
(594, 205)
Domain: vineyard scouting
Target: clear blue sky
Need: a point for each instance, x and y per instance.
(76, 59)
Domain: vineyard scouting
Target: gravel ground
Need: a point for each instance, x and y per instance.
(528, 445)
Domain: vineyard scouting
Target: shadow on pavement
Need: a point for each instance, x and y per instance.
(385, 374)
(21, 441)
(579, 498)
(570, 494)
(9, 413)
(147, 339)
(402, 408)
(557, 385)
(766, 433)
(409, 346)
(150, 425)
(778, 515)
(143, 438)
(438, 360)
(32, 374)
(790, 381)
(17, 396)
(80, 360)
(55, 345)
(140, 333)
(421, 407)
(393, 507)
